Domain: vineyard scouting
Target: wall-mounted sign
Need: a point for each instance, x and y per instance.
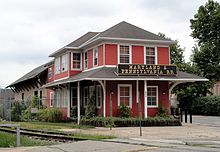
(142, 69)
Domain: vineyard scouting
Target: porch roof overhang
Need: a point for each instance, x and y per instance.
(110, 73)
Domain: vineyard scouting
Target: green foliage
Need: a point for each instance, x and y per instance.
(209, 105)
(205, 28)
(9, 140)
(130, 122)
(90, 110)
(50, 115)
(162, 111)
(73, 111)
(124, 111)
(17, 109)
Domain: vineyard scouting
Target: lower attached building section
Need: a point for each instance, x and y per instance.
(77, 97)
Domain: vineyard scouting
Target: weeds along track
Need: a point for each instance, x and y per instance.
(43, 135)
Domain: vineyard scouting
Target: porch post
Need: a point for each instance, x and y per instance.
(145, 98)
(104, 96)
(78, 102)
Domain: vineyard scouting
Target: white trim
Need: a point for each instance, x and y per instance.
(159, 79)
(154, 106)
(126, 39)
(137, 91)
(130, 52)
(60, 79)
(97, 87)
(51, 98)
(84, 68)
(169, 55)
(156, 55)
(78, 102)
(104, 98)
(130, 93)
(94, 56)
(75, 69)
(145, 99)
(103, 52)
(155, 51)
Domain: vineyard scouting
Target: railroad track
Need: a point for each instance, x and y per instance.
(43, 135)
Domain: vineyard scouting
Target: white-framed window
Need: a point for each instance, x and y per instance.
(124, 54)
(98, 96)
(86, 60)
(76, 61)
(51, 99)
(57, 96)
(95, 56)
(125, 94)
(64, 63)
(50, 72)
(150, 55)
(64, 98)
(57, 65)
(85, 96)
(152, 96)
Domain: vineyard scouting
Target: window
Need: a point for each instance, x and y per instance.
(57, 65)
(22, 96)
(86, 60)
(74, 96)
(98, 96)
(49, 73)
(152, 96)
(64, 62)
(125, 94)
(124, 54)
(76, 61)
(85, 97)
(57, 98)
(150, 55)
(51, 99)
(95, 56)
(36, 93)
(64, 98)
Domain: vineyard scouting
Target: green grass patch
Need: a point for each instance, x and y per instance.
(9, 140)
(92, 137)
(49, 126)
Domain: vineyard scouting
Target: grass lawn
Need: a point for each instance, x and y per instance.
(53, 127)
(9, 140)
(49, 126)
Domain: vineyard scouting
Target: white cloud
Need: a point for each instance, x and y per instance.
(31, 30)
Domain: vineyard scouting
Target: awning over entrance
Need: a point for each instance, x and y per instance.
(110, 73)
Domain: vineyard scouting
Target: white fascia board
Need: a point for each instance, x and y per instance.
(152, 79)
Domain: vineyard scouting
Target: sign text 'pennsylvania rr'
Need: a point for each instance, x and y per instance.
(141, 69)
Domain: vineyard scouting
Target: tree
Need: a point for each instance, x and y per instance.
(206, 29)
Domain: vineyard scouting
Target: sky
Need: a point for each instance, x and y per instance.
(30, 30)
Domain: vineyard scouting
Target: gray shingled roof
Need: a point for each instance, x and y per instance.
(127, 30)
(82, 39)
(32, 74)
(76, 43)
(122, 30)
(109, 73)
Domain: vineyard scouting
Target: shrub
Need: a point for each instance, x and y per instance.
(209, 105)
(90, 110)
(50, 115)
(130, 122)
(73, 111)
(162, 111)
(124, 111)
(17, 108)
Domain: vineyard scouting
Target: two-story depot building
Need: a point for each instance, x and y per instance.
(125, 63)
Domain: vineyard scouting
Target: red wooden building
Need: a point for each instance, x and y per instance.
(123, 62)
